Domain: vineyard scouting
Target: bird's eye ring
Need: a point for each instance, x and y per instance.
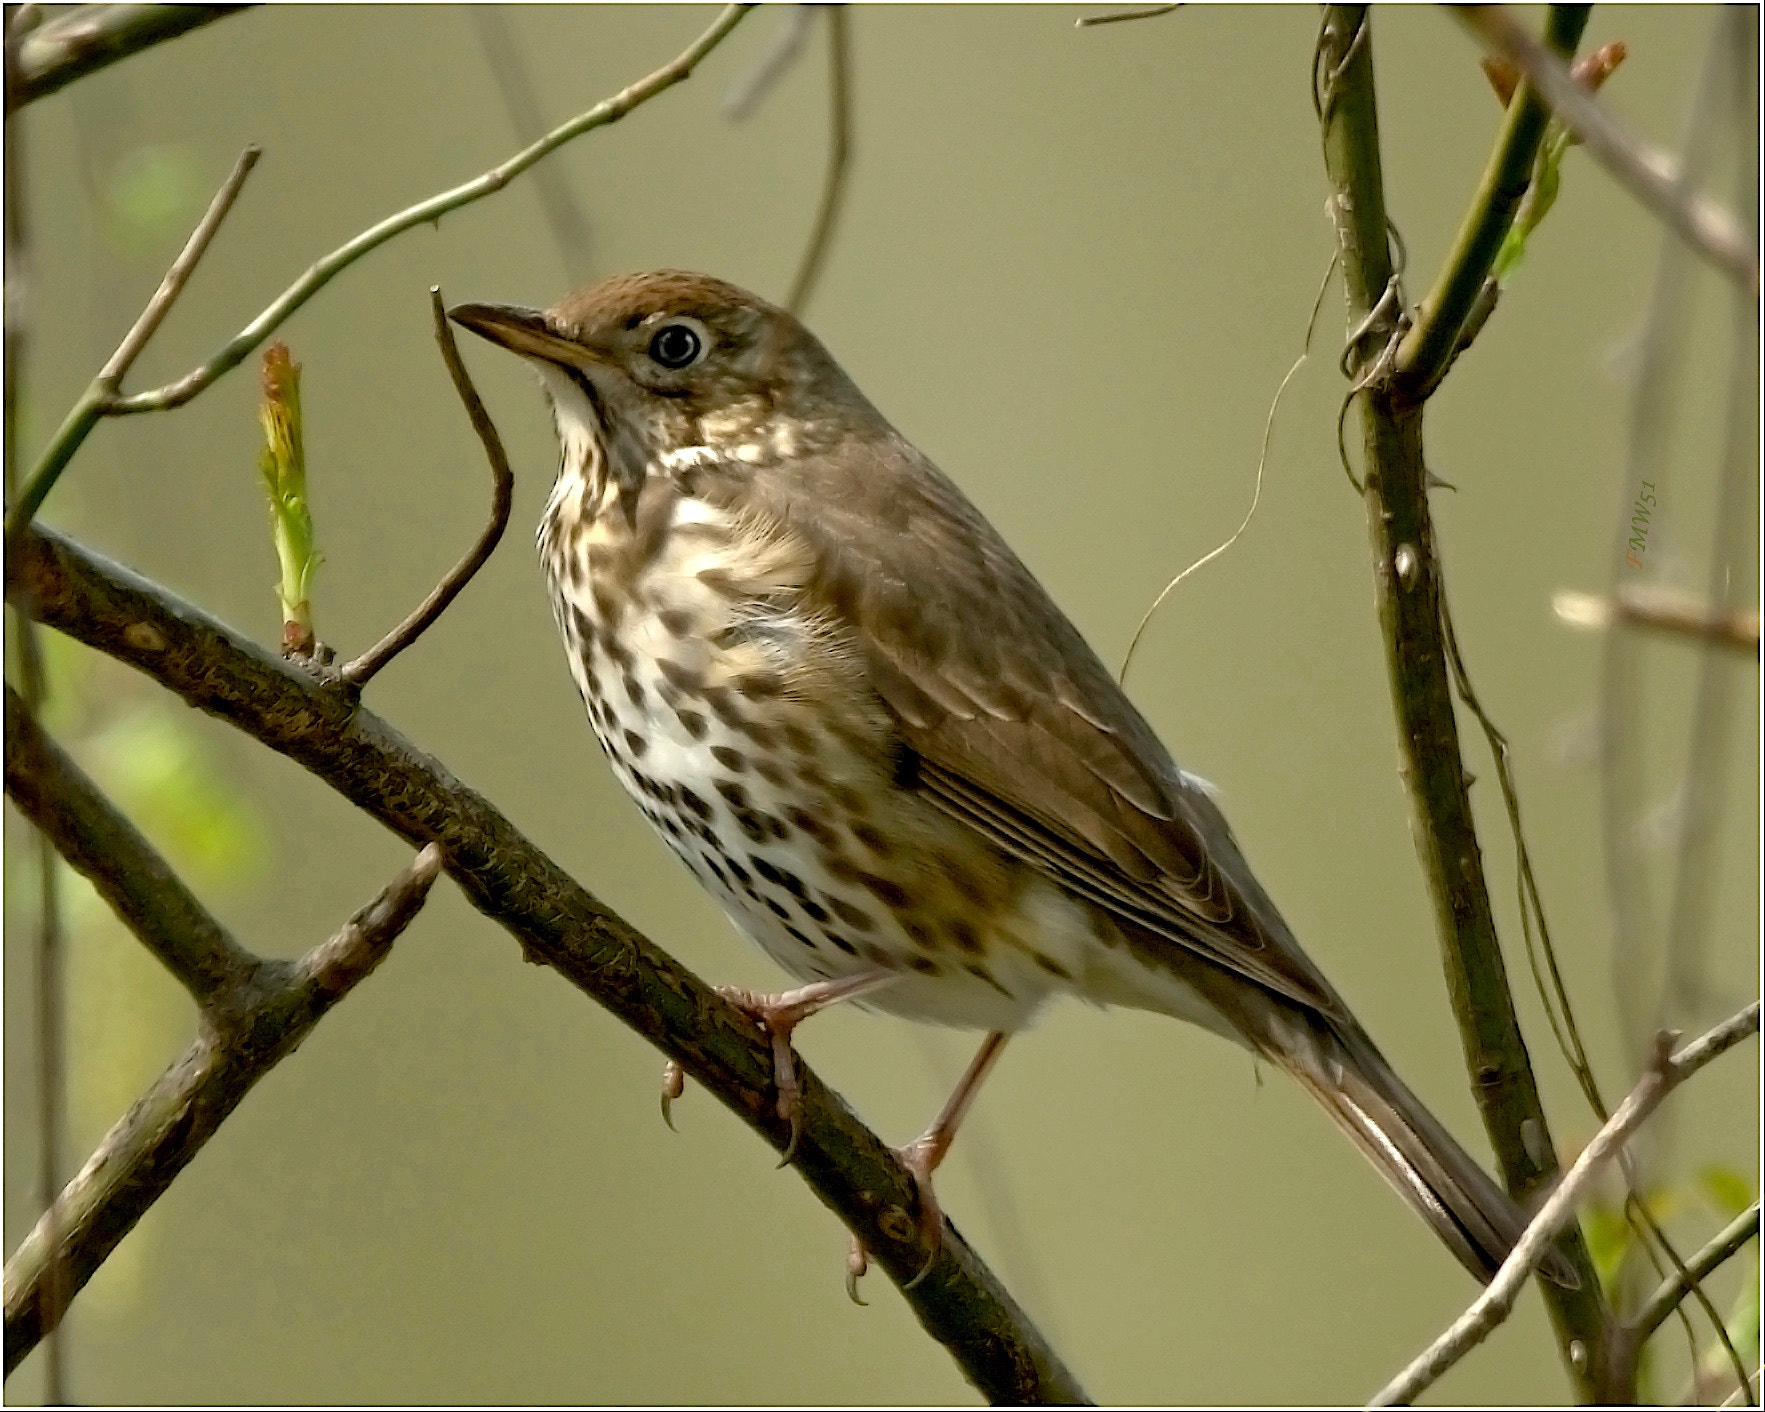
(678, 344)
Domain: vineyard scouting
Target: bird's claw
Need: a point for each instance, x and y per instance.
(857, 1262)
(673, 1085)
(918, 1160)
(778, 1021)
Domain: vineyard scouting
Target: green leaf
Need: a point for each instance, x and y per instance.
(153, 195)
(1728, 1189)
(1609, 1238)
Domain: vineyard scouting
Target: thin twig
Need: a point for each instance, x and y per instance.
(99, 402)
(1262, 461)
(129, 874)
(1649, 175)
(99, 399)
(356, 674)
(147, 1148)
(92, 37)
(839, 157)
(431, 209)
(1665, 610)
(1432, 342)
(1408, 588)
(747, 91)
(1149, 12)
(563, 216)
(47, 952)
(1541, 952)
(1491, 1307)
(178, 275)
(959, 1302)
(1726, 1243)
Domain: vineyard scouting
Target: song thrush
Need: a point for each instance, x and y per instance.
(864, 726)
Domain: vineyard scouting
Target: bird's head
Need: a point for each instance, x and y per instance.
(649, 371)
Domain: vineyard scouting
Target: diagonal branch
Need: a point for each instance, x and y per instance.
(147, 1148)
(102, 400)
(93, 37)
(428, 211)
(1409, 591)
(1726, 1243)
(1428, 349)
(1650, 176)
(356, 674)
(104, 847)
(1668, 1071)
(839, 158)
(959, 1302)
(99, 399)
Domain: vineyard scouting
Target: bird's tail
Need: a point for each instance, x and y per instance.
(1341, 1067)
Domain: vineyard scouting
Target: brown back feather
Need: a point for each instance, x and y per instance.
(1024, 734)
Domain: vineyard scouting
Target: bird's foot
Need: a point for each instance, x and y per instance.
(779, 1014)
(921, 1158)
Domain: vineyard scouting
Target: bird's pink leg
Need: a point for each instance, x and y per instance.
(926, 1153)
(778, 1014)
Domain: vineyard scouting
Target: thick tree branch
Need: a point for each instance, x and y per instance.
(1409, 595)
(557, 921)
(93, 37)
(156, 1139)
(1429, 347)
(105, 848)
(1492, 1306)
(1649, 175)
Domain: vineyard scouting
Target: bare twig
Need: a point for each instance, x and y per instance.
(564, 217)
(105, 848)
(356, 674)
(1623, 777)
(1409, 589)
(1429, 347)
(1149, 12)
(1665, 610)
(147, 1148)
(1726, 1243)
(1491, 1307)
(839, 157)
(91, 37)
(1649, 175)
(178, 275)
(959, 1302)
(1262, 461)
(100, 399)
(747, 91)
(610, 110)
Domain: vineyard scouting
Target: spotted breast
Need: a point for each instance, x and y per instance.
(739, 722)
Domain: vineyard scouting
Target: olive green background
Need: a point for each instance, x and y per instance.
(1074, 266)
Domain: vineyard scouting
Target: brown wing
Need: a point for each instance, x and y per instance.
(1019, 730)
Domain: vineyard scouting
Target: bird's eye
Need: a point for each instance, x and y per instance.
(677, 345)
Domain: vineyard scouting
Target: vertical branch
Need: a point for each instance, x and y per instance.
(839, 156)
(1408, 590)
(48, 950)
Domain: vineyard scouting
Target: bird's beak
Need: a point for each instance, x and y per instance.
(521, 330)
